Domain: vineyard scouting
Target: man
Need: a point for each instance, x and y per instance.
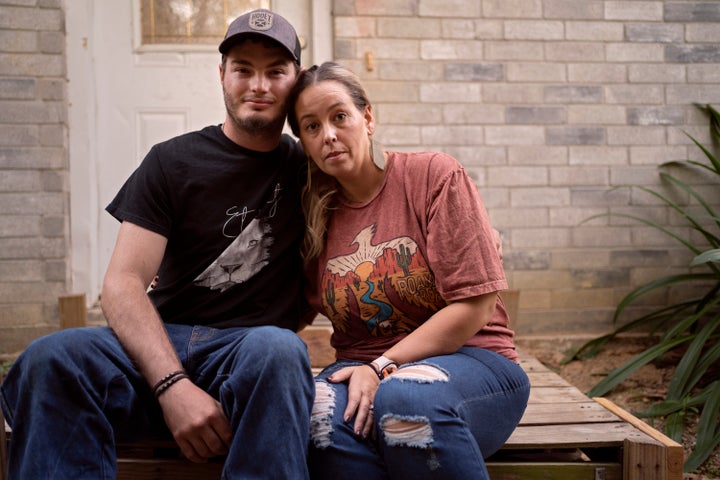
(210, 349)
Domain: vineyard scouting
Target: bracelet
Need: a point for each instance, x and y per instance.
(172, 381)
(383, 366)
(166, 378)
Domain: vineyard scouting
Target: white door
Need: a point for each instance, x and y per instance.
(124, 97)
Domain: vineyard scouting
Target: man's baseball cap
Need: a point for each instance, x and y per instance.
(266, 23)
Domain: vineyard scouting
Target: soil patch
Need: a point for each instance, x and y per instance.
(636, 393)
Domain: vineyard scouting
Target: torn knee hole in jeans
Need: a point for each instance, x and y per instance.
(412, 431)
(322, 413)
(422, 373)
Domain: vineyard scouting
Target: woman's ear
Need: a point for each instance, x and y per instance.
(369, 120)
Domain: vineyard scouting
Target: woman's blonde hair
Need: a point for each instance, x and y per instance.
(320, 191)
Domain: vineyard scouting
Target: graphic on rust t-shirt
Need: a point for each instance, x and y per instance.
(386, 284)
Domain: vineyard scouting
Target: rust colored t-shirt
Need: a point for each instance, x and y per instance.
(423, 241)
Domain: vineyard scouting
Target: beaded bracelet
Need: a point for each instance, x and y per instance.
(166, 378)
(172, 381)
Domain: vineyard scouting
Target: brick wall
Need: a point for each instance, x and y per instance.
(34, 240)
(549, 104)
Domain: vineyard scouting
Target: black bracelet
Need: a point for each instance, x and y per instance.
(172, 381)
(372, 366)
(383, 366)
(166, 378)
(384, 370)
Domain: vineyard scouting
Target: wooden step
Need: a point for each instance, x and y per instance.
(562, 435)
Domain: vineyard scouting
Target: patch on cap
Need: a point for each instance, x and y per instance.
(261, 21)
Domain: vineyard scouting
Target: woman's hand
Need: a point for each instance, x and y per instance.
(362, 385)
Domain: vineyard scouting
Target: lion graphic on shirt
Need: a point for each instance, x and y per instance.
(241, 260)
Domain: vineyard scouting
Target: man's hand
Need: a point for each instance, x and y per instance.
(196, 421)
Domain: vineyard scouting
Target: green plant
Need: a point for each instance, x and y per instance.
(5, 367)
(691, 325)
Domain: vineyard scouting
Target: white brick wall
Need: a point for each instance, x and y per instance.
(33, 162)
(559, 101)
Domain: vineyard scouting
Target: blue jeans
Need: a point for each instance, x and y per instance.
(435, 419)
(73, 393)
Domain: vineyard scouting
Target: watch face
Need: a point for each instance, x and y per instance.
(388, 370)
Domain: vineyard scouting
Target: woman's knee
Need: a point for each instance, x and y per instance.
(401, 389)
(404, 417)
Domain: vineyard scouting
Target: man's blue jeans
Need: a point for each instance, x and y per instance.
(435, 419)
(71, 394)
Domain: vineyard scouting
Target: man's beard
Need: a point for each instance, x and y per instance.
(255, 125)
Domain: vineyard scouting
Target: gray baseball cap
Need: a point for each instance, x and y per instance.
(266, 23)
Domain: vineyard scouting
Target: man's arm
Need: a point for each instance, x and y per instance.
(133, 265)
(195, 419)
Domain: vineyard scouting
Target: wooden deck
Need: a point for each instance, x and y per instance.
(566, 435)
(563, 435)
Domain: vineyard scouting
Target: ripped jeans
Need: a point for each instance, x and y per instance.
(434, 419)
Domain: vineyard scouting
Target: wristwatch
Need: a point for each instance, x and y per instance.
(383, 366)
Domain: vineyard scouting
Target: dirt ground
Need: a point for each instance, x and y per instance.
(636, 393)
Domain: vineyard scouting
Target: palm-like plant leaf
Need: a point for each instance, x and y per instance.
(708, 434)
(679, 384)
(706, 257)
(693, 323)
(619, 374)
(682, 278)
(708, 359)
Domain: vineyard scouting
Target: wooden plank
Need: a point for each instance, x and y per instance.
(317, 339)
(643, 459)
(179, 469)
(554, 471)
(644, 462)
(557, 395)
(531, 364)
(72, 310)
(563, 413)
(547, 379)
(563, 434)
(583, 435)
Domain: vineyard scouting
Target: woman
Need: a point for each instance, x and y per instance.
(400, 256)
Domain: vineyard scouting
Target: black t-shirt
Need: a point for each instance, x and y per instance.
(233, 221)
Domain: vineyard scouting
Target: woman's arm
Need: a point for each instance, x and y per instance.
(446, 331)
(443, 333)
